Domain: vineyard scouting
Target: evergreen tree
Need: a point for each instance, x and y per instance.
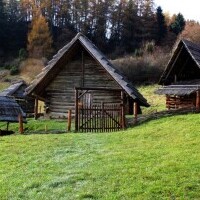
(161, 24)
(39, 38)
(178, 25)
(101, 12)
(130, 26)
(116, 21)
(84, 14)
(17, 27)
(148, 21)
(3, 25)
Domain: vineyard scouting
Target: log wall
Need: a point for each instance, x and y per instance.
(60, 93)
(178, 102)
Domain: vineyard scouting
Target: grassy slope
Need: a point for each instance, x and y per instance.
(153, 161)
(4, 85)
(157, 102)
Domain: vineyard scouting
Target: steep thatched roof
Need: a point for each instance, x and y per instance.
(10, 110)
(185, 63)
(43, 78)
(12, 89)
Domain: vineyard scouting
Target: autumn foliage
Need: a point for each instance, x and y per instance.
(191, 32)
(39, 39)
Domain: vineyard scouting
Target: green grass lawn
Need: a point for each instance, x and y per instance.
(157, 160)
(156, 101)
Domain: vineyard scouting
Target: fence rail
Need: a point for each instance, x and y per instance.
(100, 118)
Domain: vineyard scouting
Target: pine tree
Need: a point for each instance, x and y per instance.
(178, 25)
(130, 27)
(39, 38)
(3, 25)
(148, 21)
(161, 24)
(100, 24)
(116, 21)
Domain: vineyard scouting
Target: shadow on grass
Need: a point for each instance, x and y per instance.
(159, 115)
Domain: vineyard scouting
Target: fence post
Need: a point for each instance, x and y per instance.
(20, 119)
(76, 110)
(122, 111)
(103, 120)
(135, 111)
(7, 126)
(36, 108)
(45, 128)
(69, 120)
(197, 100)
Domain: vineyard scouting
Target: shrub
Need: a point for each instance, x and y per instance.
(149, 47)
(22, 54)
(138, 52)
(144, 69)
(14, 70)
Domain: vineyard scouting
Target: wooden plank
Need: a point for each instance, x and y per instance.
(36, 108)
(69, 120)
(198, 100)
(21, 128)
(76, 110)
(98, 89)
(135, 112)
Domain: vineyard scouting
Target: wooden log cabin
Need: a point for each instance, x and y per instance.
(181, 78)
(16, 91)
(80, 66)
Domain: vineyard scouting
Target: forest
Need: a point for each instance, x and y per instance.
(38, 28)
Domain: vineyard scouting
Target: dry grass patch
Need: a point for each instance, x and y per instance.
(143, 69)
(30, 68)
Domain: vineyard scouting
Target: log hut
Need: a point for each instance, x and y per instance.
(181, 78)
(10, 112)
(16, 91)
(80, 66)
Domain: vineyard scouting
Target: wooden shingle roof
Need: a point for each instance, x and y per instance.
(99, 57)
(12, 89)
(180, 88)
(10, 110)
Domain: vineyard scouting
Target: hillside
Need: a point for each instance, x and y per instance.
(157, 160)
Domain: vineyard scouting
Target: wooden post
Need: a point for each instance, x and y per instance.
(198, 100)
(20, 118)
(45, 128)
(175, 78)
(7, 125)
(135, 111)
(83, 68)
(76, 110)
(122, 111)
(167, 102)
(69, 120)
(36, 108)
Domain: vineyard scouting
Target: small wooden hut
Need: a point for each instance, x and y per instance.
(79, 75)
(181, 78)
(16, 91)
(10, 111)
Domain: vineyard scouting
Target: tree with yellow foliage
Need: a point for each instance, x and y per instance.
(39, 38)
(191, 32)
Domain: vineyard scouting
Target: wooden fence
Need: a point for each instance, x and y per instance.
(101, 116)
(104, 117)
